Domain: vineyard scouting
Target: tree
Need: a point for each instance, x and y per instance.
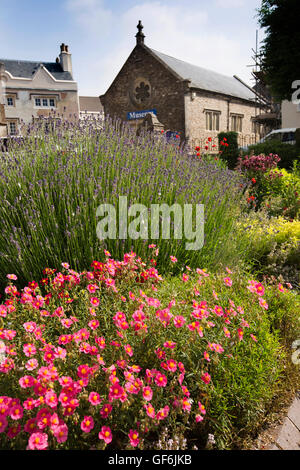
(280, 51)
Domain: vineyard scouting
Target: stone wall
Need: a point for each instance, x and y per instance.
(202, 101)
(166, 92)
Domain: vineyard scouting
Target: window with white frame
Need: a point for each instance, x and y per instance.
(10, 101)
(41, 102)
(212, 120)
(237, 122)
(12, 127)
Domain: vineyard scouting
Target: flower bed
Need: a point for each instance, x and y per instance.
(119, 357)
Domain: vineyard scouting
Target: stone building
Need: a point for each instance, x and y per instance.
(34, 89)
(90, 107)
(195, 102)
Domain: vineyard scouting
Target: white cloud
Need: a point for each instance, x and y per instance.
(93, 17)
(182, 32)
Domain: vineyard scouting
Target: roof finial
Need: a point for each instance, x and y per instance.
(139, 35)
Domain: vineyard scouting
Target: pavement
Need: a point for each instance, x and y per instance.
(286, 435)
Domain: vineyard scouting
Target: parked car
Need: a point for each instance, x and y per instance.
(286, 136)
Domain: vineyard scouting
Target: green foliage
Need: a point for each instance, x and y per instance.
(280, 50)
(245, 371)
(229, 148)
(286, 152)
(281, 190)
(273, 246)
(277, 191)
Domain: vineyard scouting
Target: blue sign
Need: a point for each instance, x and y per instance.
(139, 114)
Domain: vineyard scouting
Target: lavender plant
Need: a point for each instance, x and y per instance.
(53, 180)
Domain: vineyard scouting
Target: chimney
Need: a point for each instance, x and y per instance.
(65, 59)
(140, 35)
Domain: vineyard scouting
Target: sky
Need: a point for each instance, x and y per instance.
(216, 34)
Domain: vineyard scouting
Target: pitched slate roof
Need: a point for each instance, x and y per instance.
(205, 79)
(26, 69)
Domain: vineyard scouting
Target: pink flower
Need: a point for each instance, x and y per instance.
(134, 438)
(185, 277)
(66, 322)
(31, 364)
(105, 410)
(281, 288)
(38, 441)
(163, 413)
(115, 392)
(218, 311)
(240, 334)
(30, 426)
(26, 382)
(263, 303)
(227, 281)
(206, 356)
(260, 290)
(201, 408)
(92, 288)
(61, 433)
(55, 421)
(128, 350)
(179, 321)
(169, 344)
(95, 301)
(206, 378)
(253, 337)
(83, 371)
(3, 423)
(198, 418)
(51, 399)
(87, 424)
(29, 404)
(94, 398)
(171, 365)
(150, 410)
(147, 393)
(16, 412)
(186, 405)
(105, 434)
(161, 380)
(93, 324)
(29, 349)
(226, 331)
(173, 259)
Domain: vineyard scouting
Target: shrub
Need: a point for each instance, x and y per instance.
(53, 182)
(273, 246)
(112, 356)
(228, 144)
(287, 152)
(276, 190)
